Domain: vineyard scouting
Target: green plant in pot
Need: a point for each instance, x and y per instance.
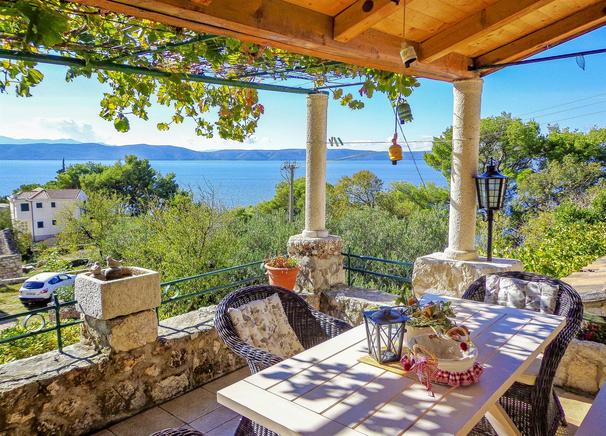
(282, 271)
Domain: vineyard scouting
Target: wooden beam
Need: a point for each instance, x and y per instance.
(561, 31)
(477, 26)
(282, 25)
(354, 20)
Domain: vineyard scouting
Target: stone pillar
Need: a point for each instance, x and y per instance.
(119, 314)
(315, 167)
(451, 272)
(318, 253)
(465, 150)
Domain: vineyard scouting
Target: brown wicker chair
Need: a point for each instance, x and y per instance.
(310, 326)
(536, 409)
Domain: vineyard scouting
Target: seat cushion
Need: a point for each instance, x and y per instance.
(264, 325)
(521, 294)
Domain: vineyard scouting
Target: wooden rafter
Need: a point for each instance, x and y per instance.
(570, 27)
(355, 19)
(283, 25)
(477, 26)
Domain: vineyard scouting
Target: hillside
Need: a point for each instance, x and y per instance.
(95, 151)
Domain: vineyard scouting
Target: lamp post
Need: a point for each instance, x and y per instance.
(491, 186)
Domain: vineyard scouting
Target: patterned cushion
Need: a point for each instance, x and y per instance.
(521, 294)
(264, 325)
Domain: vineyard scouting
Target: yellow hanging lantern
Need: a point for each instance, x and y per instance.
(395, 151)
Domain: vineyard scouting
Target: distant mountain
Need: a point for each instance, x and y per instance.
(7, 140)
(95, 151)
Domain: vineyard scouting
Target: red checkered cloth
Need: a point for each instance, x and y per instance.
(465, 378)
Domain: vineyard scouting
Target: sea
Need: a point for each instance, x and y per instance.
(231, 182)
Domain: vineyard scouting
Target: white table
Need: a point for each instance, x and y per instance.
(326, 391)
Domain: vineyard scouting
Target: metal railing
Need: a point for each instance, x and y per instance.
(357, 265)
(207, 288)
(35, 323)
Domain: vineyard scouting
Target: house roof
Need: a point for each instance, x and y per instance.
(48, 194)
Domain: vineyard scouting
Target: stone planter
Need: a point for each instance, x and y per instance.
(119, 314)
(583, 367)
(109, 299)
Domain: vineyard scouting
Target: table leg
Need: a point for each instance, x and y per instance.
(501, 422)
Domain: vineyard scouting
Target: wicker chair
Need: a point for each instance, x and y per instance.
(310, 326)
(535, 409)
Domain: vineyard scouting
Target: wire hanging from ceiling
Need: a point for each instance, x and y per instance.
(414, 161)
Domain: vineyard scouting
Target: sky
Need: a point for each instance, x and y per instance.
(551, 92)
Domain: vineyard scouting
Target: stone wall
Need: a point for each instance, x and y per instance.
(10, 259)
(10, 266)
(583, 367)
(82, 390)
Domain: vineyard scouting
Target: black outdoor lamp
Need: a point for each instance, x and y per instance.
(491, 186)
(385, 329)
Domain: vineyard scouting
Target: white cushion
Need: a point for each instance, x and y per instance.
(264, 325)
(521, 294)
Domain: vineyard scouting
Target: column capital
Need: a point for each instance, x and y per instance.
(469, 85)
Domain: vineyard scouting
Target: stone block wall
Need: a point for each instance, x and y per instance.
(82, 390)
(583, 367)
(10, 266)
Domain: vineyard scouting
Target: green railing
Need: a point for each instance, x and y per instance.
(364, 267)
(207, 288)
(35, 323)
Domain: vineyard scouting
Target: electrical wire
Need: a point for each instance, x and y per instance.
(580, 116)
(568, 109)
(561, 104)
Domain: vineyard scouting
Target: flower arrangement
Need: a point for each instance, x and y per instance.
(281, 262)
(435, 315)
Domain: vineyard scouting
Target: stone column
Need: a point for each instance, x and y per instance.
(119, 314)
(318, 253)
(465, 150)
(451, 272)
(315, 167)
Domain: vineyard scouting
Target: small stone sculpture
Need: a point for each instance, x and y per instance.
(114, 270)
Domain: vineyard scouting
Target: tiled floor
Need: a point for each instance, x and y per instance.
(197, 409)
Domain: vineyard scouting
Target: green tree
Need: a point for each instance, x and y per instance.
(71, 177)
(280, 200)
(569, 179)
(587, 146)
(514, 143)
(134, 180)
(361, 189)
(403, 198)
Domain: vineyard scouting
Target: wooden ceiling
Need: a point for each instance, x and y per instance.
(450, 35)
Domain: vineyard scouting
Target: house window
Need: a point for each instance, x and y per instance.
(38, 205)
(24, 207)
(54, 222)
(53, 204)
(40, 224)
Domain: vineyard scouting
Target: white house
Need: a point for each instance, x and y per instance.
(41, 210)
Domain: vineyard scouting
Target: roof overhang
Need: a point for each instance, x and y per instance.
(450, 39)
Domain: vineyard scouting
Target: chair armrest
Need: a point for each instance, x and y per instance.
(331, 326)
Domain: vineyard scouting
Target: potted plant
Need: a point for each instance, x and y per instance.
(282, 271)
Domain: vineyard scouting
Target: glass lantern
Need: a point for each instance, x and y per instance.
(491, 186)
(385, 329)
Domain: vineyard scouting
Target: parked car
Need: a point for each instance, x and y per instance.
(38, 290)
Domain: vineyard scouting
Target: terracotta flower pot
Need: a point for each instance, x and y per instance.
(283, 277)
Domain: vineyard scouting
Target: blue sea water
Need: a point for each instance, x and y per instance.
(234, 183)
